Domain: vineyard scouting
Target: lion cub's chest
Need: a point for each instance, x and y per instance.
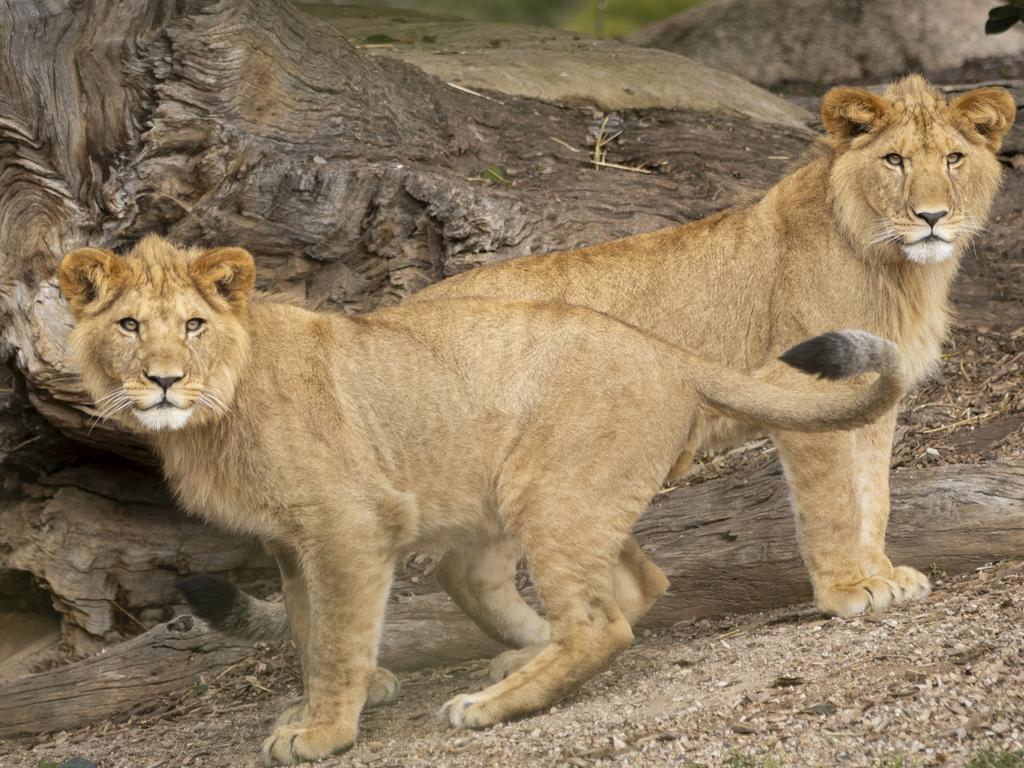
(216, 488)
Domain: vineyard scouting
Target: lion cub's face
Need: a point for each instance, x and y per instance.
(159, 335)
(913, 170)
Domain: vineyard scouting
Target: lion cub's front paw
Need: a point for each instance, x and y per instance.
(384, 688)
(874, 593)
(916, 585)
(297, 743)
(466, 711)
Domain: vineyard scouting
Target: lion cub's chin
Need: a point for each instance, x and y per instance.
(156, 419)
(930, 251)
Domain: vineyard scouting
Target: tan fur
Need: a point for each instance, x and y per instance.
(459, 425)
(828, 247)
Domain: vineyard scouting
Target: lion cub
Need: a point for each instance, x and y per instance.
(344, 443)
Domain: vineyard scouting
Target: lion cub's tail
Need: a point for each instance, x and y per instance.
(224, 606)
(833, 356)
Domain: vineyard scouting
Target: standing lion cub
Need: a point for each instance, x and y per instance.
(344, 443)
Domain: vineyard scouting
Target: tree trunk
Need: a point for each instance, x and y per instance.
(729, 546)
(165, 659)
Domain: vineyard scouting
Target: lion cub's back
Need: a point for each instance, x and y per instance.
(586, 401)
(525, 349)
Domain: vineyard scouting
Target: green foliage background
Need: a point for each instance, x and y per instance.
(619, 17)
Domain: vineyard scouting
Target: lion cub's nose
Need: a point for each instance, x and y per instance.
(165, 382)
(932, 217)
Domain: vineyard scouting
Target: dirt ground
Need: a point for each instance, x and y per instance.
(938, 683)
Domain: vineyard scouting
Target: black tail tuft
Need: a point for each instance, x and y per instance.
(829, 356)
(214, 599)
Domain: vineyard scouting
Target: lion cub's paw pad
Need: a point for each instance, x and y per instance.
(384, 688)
(295, 743)
(465, 711)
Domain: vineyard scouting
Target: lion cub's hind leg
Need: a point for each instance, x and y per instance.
(638, 581)
(588, 637)
(569, 496)
(482, 582)
(572, 566)
(638, 584)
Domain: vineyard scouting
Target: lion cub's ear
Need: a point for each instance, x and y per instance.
(226, 272)
(88, 276)
(849, 112)
(985, 112)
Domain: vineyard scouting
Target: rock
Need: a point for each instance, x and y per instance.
(777, 42)
(553, 65)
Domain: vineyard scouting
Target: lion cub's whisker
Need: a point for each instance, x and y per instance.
(213, 402)
(119, 392)
(110, 405)
(110, 411)
(211, 395)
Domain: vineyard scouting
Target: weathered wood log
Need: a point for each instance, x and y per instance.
(726, 545)
(109, 544)
(553, 65)
(730, 545)
(165, 659)
(171, 657)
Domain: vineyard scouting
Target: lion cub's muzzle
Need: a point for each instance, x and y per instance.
(930, 237)
(162, 407)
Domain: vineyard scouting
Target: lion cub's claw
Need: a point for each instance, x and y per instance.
(873, 594)
(384, 688)
(297, 743)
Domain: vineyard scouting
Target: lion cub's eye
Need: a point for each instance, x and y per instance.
(954, 157)
(129, 324)
(896, 161)
(194, 324)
